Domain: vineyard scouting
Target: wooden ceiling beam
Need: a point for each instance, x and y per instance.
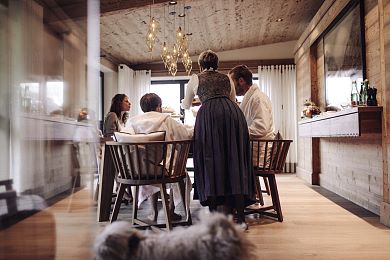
(78, 9)
(107, 6)
(158, 69)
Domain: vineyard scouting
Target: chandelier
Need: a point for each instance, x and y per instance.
(151, 36)
(177, 50)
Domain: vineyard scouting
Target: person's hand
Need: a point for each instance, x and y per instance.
(196, 102)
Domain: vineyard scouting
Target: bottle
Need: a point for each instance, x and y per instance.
(371, 96)
(366, 86)
(354, 94)
(361, 95)
(27, 99)
(23, 99)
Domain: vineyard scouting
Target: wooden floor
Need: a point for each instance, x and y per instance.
(317, 225)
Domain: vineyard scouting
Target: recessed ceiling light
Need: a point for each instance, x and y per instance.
(172, 2)
(279, 20)
(182, 15)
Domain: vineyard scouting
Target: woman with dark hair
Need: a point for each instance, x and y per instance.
(222, 159)
(116, 119)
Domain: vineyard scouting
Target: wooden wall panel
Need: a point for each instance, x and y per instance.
(373, 48)
(384, 28)
(350, 167)
(304, 167)
(321, 75)
(324, 17)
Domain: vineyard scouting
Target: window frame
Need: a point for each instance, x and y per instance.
(181, 82)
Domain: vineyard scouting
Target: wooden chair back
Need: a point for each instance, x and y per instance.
(150, 162)
(269, 156)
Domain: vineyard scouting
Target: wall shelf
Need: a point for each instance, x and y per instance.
(355, 121)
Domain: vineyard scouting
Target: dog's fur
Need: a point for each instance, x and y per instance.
(215, 237)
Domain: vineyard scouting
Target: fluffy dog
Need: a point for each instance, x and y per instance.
(215, 237)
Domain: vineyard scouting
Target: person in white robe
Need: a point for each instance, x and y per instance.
(154, 120)
(255, 105)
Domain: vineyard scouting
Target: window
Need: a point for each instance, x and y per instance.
(29, 97)
(54, 96)
(170, 96)
(344, 55)
(171, 93)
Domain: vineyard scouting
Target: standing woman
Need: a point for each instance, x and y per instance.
(222, 160)
(116, 119)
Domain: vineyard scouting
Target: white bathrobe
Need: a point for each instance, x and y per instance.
(175, 131)
(155, 121)
(257, 109)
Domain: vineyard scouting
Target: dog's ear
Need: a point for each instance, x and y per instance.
(133, 242)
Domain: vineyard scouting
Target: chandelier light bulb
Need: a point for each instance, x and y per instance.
(171, 52)
(152, 34)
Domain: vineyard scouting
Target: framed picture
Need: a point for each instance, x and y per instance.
(344, 55)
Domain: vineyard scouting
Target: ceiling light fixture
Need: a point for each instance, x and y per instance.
(152, 31)
(171, 53)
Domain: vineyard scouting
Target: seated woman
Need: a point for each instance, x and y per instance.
(154, 120)
(116, 119)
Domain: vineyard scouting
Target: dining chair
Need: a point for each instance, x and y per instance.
(156, 163)
(268, 159)
(86, 160)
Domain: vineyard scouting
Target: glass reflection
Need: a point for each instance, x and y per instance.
(49, 159)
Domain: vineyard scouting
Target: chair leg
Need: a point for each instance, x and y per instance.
(96, 192)
(118, 202)
(164, 198)
(188, 189)
(266, 184)
(259, 192)
(135, 204)
(275, 197)
(71, 195)
(185, 199)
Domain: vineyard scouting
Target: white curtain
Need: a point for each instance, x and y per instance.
(141, 86)
(125, 80)
(279, 83)
(133, 83)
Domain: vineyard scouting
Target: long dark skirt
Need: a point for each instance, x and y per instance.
(222, 160)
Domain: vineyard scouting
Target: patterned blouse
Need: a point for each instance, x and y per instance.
(211, 84)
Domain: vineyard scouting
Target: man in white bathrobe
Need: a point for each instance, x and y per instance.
(154, 120)
(255, 105)
(257, 109)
